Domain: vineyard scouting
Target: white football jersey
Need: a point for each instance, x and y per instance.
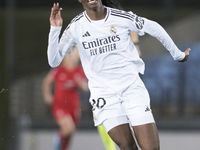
(109, 58)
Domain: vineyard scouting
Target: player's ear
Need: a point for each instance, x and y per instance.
(80, 1)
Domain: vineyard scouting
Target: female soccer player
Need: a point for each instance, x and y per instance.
(112, 65)
(68, 77)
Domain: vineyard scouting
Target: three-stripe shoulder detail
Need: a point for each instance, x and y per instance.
(77, 18)
(122, 14)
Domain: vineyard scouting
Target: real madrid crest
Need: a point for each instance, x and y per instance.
(113, 30)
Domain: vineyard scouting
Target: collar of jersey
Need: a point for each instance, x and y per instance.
(97, 21)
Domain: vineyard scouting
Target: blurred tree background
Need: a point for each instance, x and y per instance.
(24, 32)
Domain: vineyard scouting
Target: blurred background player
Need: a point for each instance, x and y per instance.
(107, 141)
(135, 40)
(67, 79)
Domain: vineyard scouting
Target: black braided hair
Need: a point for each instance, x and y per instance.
(112, 3)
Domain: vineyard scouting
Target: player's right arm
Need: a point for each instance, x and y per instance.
(55, 16)
(57, 48)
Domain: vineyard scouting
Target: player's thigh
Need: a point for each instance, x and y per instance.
(147, 136)
(122, 135)
(119, 130)
(66, 124)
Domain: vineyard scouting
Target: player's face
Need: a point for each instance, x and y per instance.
(91, 4)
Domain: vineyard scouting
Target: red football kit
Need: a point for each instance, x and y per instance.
(66, 96)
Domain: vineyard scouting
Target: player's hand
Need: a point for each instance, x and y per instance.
(55, 17)
(187, 51)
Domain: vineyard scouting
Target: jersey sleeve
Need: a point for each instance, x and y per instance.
(58, 48)
(142, 25)
(136, 24)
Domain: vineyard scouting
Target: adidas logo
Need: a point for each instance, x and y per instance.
(86, 34)
(147, 109)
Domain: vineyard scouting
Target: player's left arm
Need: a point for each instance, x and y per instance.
(187, 52)
(156, 30)
(142, 25)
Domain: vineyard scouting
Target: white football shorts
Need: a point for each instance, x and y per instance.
(132, 107)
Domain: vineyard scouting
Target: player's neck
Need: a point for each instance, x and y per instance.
(97, 14)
